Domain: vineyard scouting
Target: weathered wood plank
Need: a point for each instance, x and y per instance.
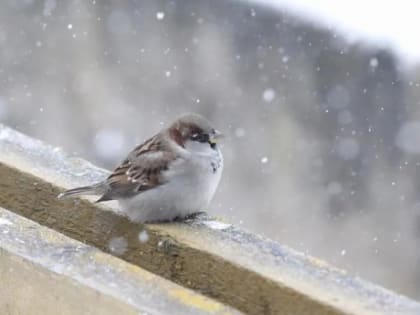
(248, 272)
(45, 272)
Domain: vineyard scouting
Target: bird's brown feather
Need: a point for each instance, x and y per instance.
(140, 171)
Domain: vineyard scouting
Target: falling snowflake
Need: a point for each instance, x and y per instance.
(160, 15)
(143, 236)
(269, 95)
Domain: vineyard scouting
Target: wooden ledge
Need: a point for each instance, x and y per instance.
(45, 272)
(252, 274)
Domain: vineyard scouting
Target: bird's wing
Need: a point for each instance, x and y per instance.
(140, 171)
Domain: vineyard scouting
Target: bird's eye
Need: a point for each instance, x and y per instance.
(200, 137)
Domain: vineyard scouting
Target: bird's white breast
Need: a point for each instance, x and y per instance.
(191, 182)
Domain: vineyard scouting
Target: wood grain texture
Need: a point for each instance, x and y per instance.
(45, 272)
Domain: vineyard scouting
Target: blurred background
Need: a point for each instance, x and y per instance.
(320, 101)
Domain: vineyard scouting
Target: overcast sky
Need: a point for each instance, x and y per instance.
(392, 23)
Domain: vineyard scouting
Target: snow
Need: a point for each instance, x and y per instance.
(373, 62)
(4, 221)
(160, 15)
(340, 117)
(269, 95)
(143, 236)
(118, 245)
(217, 225)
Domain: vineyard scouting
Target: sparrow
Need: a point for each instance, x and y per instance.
(172, 175)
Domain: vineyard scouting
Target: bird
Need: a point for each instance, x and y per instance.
(170, 176)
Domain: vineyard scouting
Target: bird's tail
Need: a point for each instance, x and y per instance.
(79, 191)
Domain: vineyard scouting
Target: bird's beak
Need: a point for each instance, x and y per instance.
(215, 137)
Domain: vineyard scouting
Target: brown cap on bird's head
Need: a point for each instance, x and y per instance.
(193, 127)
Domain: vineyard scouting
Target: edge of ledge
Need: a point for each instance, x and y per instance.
(118, 285)
(200, 254)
